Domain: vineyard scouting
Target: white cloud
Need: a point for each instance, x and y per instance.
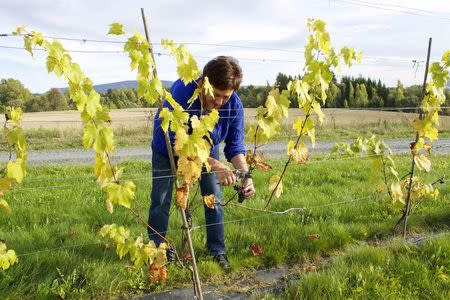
(390, 35)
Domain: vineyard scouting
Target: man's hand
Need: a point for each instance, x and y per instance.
(248, 189)
(224, 175)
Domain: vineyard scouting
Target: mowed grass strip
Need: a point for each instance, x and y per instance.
(400, 270)
(58, 211)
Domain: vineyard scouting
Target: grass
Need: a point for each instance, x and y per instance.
(400, 270)
(58, 211)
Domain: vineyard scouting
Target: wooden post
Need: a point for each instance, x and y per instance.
(196, 277)
(411, 174)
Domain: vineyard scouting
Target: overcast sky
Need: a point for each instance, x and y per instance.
(389, 38)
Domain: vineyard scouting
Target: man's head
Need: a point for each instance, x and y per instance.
(225, 75)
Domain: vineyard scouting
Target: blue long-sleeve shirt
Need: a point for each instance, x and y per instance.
(229, 129)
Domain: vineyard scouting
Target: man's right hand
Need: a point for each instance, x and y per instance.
(225, 176)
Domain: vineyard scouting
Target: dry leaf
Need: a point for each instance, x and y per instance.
(209, 200)
(157, 273)
(182, 196)
(109, 206)
(313, 236)
(262, 166)
(256, 249)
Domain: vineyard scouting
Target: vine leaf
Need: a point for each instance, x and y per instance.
(423, 162)
(122, 194)
(116, 29)
(299, 154)
(209, 200)
(256, 249)
(273, 184)
(182, 196)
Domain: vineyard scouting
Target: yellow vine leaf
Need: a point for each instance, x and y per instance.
(15, 170)
(397, 193)
(423, 162)
(122, 194)
(116, 29)
(7, 257)
(189, 168)
(209, 200)
(5, 207)
(299, 154)
(182, 195)
(273, 184)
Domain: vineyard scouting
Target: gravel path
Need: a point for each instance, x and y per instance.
(273, 149)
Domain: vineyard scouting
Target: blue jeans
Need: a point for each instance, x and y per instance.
(161, 197)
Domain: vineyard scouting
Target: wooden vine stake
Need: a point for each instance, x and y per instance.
(407, 210)
(195, 275)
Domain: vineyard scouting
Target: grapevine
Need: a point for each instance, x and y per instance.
(99, 136)
(310, 90)
(13, 173)
(409, 191)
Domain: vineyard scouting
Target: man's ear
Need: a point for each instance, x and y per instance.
(200, 83)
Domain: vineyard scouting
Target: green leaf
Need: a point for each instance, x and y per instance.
(93, 103)
(80, 98)
(89, 135)
(116, 29)
(104, 139)
(446, 58)
(122, 194)
(166, 116)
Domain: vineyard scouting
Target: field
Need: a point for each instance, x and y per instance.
(58, 211)
(59, 130)
(338, 245)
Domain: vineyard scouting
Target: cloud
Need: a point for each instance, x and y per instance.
(264, 23)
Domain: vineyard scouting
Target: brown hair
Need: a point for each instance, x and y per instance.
(223, 73)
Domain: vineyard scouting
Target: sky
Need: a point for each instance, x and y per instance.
(266, 36)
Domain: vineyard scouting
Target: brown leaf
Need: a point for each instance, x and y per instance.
(427, 147)
(157, 273)
(309, 267)
(313, 236)
(256, 249)
(262, 166)
(182, 196)
(185, 257)
(209, 200)
(73, 233)
(257, 160)
(109, 206)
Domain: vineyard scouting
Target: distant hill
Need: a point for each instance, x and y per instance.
(102, 88)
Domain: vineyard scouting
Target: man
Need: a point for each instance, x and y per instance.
(225, 75)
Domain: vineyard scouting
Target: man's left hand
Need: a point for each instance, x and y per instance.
(248, 189)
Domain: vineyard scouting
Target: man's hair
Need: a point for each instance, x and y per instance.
(223, 73)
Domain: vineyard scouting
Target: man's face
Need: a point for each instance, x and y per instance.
(220, 98)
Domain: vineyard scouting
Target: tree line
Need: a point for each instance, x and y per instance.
(349, 92)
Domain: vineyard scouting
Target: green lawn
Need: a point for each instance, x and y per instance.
(58, 211)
